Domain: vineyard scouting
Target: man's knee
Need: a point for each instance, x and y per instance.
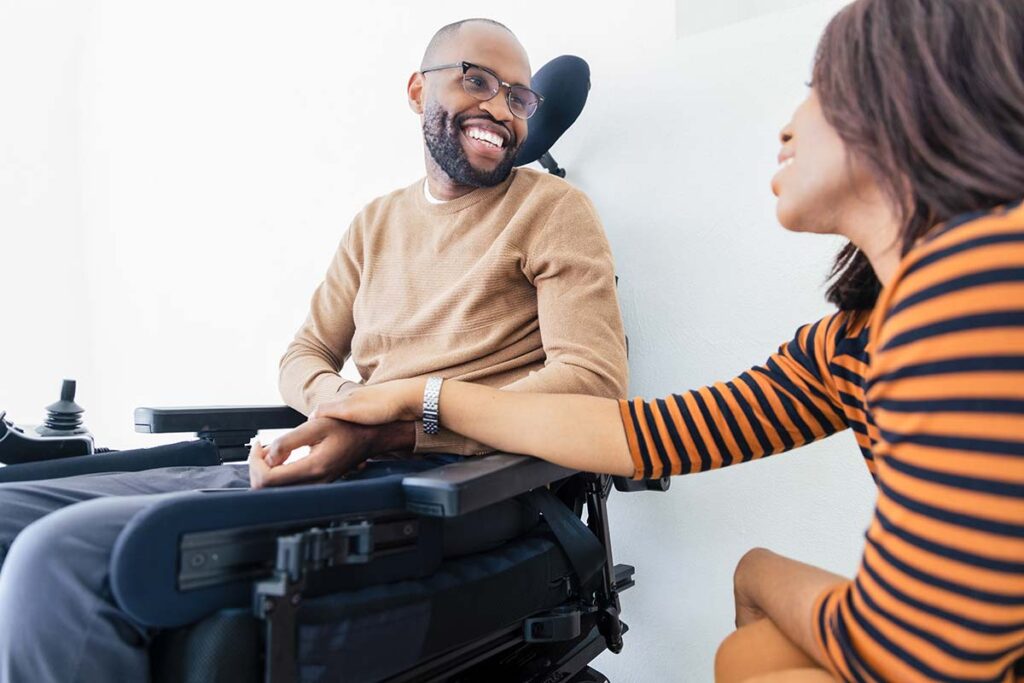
(17, 511)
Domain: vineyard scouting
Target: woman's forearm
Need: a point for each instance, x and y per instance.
(578, 432)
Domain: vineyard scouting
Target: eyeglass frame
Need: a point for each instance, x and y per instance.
(466, 66)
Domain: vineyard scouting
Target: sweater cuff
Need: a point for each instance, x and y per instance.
(446, 441)
(325, 390)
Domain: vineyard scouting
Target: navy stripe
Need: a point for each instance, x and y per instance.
(673, 433)
(805, 357)
(984, 241)
(953, 365)
(960, 519)
(734, 426)
(702, 449)
(958, 405)
(845, 373)
(948, 552)
(666, 464)
(855, 351)
(901, 654)
(800, 394)
(851, 401)
(794, 417)
(945, 584)
(755, 423)
(980, 279)
(958, 619)
(767, 411)
(645, 457)
(859, 427)
(956, 443)
(993, 486)
(977, 321)
(716, 436)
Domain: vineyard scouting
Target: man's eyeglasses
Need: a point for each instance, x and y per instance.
(483, 84)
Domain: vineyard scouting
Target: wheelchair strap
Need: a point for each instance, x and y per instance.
(585, 552)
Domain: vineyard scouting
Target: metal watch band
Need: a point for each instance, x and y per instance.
(431, 396)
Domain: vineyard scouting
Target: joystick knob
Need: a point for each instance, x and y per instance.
(65, 416)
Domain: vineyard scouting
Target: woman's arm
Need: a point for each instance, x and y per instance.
(578, 432)
(784, 404)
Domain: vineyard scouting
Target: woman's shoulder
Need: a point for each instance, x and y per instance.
(967, 235)
(968, 275)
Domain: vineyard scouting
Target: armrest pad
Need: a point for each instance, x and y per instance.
(216, 419)
(475, 483)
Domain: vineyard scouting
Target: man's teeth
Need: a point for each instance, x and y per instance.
(788, 162)
(485, 136)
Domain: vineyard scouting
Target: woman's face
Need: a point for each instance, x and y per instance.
(819, 185)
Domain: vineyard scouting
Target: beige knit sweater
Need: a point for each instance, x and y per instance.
(510, 286)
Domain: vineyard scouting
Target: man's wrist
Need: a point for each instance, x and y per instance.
(394, 436)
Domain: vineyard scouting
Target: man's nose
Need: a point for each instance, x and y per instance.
(497, 107)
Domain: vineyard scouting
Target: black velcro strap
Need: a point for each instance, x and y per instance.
(585, 552)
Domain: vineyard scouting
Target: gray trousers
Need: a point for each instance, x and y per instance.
(58, 620)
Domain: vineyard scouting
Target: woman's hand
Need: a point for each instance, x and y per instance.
(397, 401)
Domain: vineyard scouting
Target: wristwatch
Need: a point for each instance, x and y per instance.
(431, 396)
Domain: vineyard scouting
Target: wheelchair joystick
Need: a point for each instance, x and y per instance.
(64, 417)
(62, 435)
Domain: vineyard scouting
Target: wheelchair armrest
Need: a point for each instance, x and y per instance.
(229, 427)
(475, 483)
(205, 419)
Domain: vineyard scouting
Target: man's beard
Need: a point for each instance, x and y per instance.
(441, 133)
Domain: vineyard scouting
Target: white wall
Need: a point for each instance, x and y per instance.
(185, 171)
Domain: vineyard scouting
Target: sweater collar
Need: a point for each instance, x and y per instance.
(460, 203)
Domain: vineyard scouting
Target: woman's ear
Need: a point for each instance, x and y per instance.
(415, 92)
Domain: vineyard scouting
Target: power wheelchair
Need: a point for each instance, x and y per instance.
(476, 569)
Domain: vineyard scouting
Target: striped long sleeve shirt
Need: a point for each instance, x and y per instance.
(932, 384)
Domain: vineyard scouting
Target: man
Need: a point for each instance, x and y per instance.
(482, 272)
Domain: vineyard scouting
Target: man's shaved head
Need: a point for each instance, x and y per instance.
(447, 33)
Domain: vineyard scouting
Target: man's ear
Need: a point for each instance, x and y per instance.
(415, 92)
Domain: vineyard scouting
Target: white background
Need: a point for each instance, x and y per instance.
(174, 178)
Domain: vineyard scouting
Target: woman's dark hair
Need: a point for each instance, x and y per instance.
(930, 95)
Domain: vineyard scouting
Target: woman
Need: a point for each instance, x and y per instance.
(911, 145)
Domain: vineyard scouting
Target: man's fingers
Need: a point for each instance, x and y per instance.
(257, 466)
(304, 471)
(305, 434)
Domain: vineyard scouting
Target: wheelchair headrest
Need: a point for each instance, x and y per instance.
(564, 82)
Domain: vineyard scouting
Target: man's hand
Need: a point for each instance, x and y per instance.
(397, 401)
(335, 448)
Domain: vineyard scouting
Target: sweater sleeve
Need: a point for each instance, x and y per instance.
(309, 368)
(570, 264)
(785, 403)
(939, 594)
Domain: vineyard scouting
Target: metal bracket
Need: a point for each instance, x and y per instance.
(276, 600)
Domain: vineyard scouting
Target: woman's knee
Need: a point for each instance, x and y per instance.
(757, 649)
